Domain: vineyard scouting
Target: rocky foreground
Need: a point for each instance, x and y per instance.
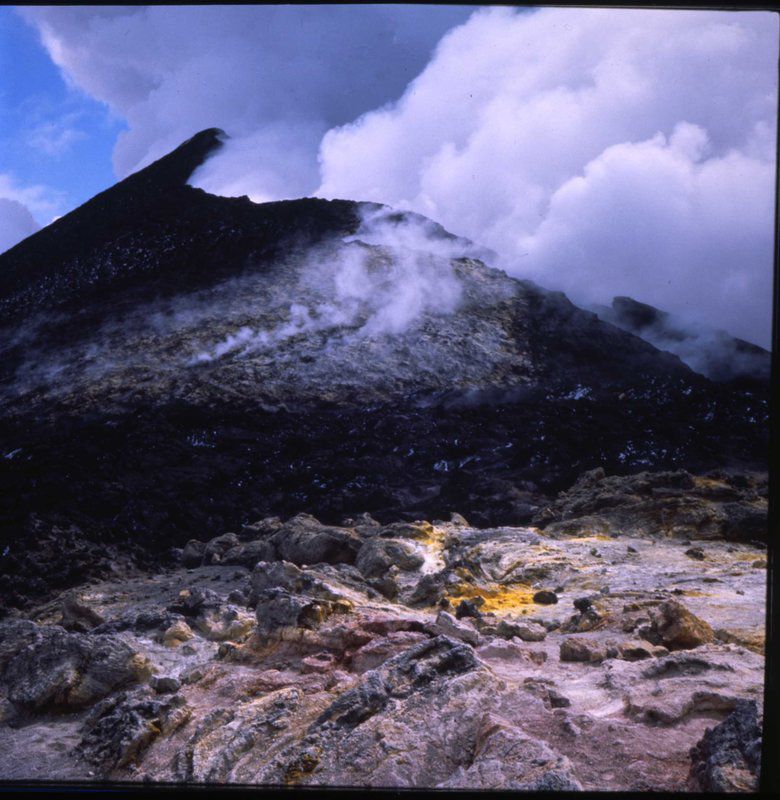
(615, 645)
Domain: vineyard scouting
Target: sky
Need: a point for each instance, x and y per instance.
(600, 152)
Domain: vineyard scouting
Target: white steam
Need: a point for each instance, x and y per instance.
(388, 277)
(599, 151)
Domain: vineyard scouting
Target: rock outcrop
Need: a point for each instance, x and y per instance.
(728, 757)
(308, 674)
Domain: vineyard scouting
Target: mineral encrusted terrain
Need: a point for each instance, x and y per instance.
(225, 427)
(405, 654)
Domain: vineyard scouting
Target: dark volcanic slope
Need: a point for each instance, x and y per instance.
(175, 363)
(154, 232)
(710, 351)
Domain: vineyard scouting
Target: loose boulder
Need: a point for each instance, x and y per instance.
(674, 626)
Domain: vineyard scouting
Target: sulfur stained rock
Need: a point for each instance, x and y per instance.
(177, 633)
(278, 608)
(225, 623)
(118, 730)
(421, 529)
(390, 695)
(675, 627)
(752, 638)
(650, 504)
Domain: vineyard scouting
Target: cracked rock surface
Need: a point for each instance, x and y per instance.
(646, 674)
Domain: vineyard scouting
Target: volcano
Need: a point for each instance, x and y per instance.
(177, 363)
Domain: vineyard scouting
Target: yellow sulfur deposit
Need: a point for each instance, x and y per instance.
(499, 599)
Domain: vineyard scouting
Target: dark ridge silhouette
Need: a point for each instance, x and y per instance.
(133, 458)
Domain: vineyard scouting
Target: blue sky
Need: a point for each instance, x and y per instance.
(600, 152)
(52, 135)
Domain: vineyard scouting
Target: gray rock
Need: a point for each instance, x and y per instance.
(386, 585)
(448, 625)
(192, 554)
(507, 757)
(580, 649)
(70, 670)
(527, 631)
(275, 575)
(119, 729)
(377, 555)
(218, 546)
(430, 589)
(728, 756)
(304, 540)
(545, 597)
(470, 608)
(165, 685)
(420, 665)
(278, 608)
(249, 553)
(79, 616)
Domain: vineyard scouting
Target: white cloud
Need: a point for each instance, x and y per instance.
(16, 223)
(600, 152)
(42, 202)
(55, 137)
(276, 78)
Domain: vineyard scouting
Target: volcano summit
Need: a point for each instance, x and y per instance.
(225, 428)
(175, 361)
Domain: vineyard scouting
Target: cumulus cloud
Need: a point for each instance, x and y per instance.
(42, 202)
(597, 151)
(275, 77)
(16, 223)
(23, 209)
(600, 152)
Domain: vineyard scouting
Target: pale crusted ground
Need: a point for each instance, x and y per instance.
(349, 687)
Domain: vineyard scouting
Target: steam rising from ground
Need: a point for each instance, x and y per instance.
(343, 299)
(708, 351)
(381, 281)
(599, 151)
